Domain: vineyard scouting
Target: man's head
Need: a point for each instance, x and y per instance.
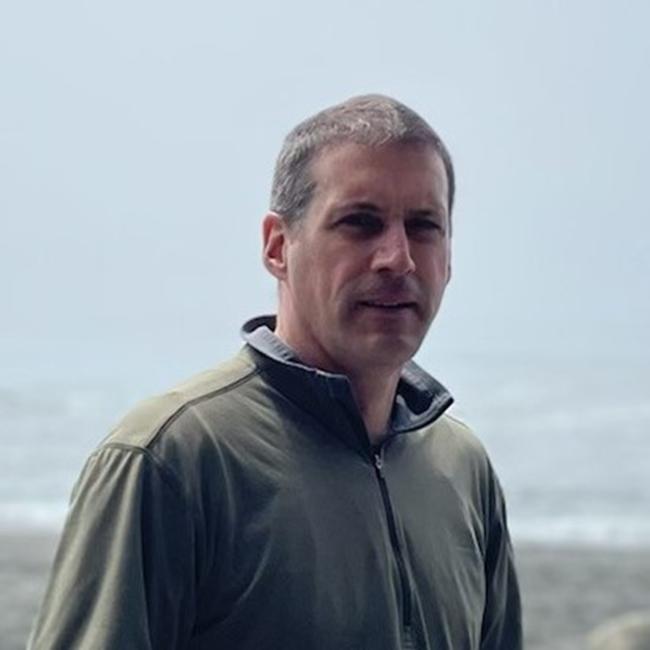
(372, 120)
(363, 258)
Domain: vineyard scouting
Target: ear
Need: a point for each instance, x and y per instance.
(274, 238)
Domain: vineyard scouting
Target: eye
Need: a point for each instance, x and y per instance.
(362, 222)
(424, 227)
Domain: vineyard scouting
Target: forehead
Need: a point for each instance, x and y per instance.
(384, 174)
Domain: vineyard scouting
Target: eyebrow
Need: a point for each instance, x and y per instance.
(423, 214)
(361, 205)
(367, 206)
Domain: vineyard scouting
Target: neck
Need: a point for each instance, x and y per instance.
(373, 388)
(375, 395)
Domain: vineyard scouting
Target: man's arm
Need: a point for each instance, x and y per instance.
(123, 575)
(501, 629)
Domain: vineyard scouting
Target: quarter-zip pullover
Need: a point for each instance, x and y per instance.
(246, 509)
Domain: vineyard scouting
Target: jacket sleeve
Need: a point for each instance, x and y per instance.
(501, 628)
(123, 575)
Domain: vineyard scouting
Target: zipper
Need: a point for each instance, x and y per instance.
(394, 540)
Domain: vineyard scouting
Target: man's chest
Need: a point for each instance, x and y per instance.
(321, 546)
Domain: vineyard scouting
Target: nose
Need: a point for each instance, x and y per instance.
(393, 252)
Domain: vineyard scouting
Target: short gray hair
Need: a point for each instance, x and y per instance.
(372, 120)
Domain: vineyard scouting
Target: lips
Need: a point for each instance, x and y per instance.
(385, 304)
(390, 306)
(390, 297)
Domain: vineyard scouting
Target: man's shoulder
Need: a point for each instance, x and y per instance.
(455, 442)
(457, 430)
(141, 427)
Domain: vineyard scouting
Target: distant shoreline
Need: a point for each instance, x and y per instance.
(566, 590)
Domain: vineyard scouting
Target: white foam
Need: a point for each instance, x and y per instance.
(611, 531)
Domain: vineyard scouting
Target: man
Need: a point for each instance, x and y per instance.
(310, 493)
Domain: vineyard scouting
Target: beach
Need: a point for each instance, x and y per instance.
(566, 590)
(569, 590)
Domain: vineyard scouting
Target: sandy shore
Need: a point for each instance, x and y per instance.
(566, 590)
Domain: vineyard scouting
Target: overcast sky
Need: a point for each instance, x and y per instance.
(137, 141)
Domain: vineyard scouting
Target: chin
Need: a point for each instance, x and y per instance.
(385, 353)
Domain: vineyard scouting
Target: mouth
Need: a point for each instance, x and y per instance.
(388, 305)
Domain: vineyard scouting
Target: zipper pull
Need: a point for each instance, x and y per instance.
(379, 463)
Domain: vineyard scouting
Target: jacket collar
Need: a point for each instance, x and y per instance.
(420, 399)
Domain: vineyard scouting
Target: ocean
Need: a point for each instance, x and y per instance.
(570, 442)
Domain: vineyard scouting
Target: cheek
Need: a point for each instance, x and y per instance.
(435, 267)
(431, 269)
(342, 282)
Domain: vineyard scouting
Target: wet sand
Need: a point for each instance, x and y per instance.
(566, 591)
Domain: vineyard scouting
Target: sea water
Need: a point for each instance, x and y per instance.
(570, 441)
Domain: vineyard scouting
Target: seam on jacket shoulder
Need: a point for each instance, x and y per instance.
(197, 400)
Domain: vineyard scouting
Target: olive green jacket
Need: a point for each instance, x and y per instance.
(246, 510)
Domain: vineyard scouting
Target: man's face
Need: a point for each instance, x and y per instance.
(365, 270)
